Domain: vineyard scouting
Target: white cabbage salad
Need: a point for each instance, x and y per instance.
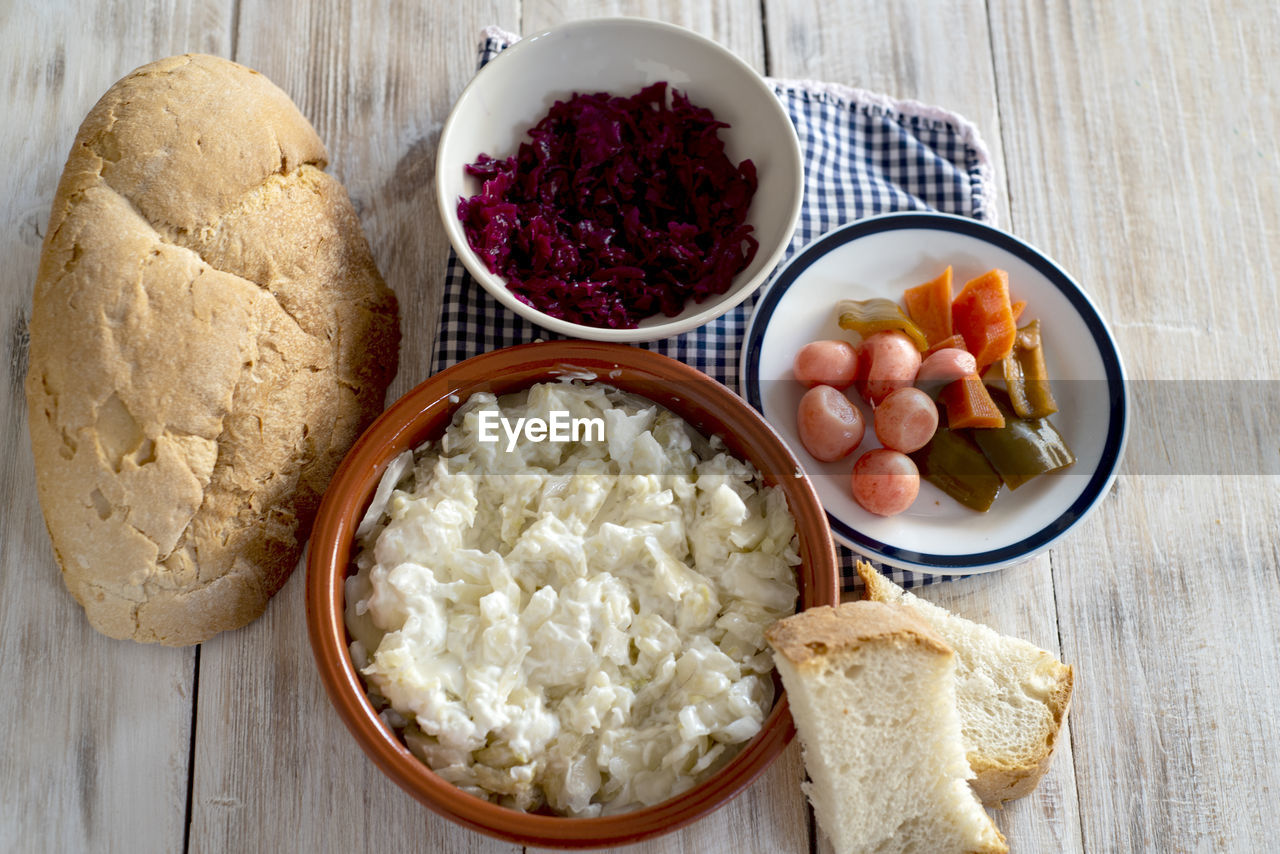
(578, 624)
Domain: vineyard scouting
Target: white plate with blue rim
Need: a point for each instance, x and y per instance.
(881, 257)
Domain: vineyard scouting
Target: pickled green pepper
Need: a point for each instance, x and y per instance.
(1025, 376)
(956, 465)
(1023, 448)
(869, 316)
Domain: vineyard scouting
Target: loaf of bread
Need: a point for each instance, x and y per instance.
(209, 335)
(1012, 696)
(872, 691)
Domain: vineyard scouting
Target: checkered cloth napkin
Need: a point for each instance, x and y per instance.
(864, 154)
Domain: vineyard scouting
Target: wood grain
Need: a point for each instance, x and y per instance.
(772, 814)
(1144, 158)
(942, 57)
(1136, 143)
(938, 53)
(736, 24)
(96, 731)
(275, 768)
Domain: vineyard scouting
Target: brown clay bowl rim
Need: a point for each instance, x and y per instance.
(421, 415)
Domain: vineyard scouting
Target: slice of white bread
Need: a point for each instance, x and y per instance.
(1012, 695)
(872, 692)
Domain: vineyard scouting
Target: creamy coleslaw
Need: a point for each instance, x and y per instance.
(575, 624)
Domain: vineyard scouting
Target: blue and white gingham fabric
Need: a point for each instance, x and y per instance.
(863, 155)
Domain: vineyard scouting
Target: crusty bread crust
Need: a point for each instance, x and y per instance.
(807, 638)
(999, 781)
(999, 778)
(209, 335)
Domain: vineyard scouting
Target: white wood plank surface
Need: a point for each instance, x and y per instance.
(944, 58)
(736, 24)
(94, 733)
(275, 768)
(772, 814)
(1141, 143)
(938, 53)
(1136, 143)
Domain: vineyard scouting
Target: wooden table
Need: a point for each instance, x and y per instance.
(1135, 142)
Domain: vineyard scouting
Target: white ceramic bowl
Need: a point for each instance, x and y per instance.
(881, 257)
(622, 55)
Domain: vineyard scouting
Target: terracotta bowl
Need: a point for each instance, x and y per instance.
(422, 415)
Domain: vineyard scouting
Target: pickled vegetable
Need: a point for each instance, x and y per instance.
(1026, 378)
(1023, 448)
(959, 392)
(955, 342)
(982, 314)
(868, 316)
(969, 404)
(929, 305)
(954, 463)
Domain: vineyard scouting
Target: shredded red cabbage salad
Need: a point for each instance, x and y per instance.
(616, 210)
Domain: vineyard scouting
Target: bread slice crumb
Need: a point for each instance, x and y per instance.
(1012, 696)
(871, 688)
